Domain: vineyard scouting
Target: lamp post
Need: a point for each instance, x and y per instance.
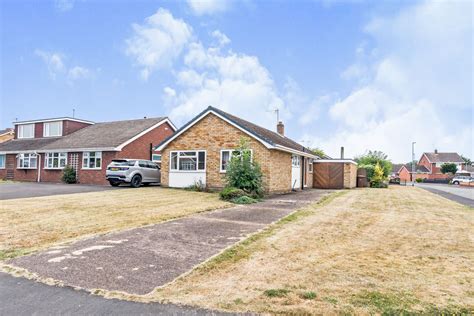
(413, 163)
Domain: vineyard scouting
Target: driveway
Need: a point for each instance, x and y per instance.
(138, 260)
(18, 190)
(463, 195)
(25, 297)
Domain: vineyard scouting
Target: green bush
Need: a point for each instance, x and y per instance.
(419, 180)
(371, 159)
(378, 178)
(197, 186)
(369, 170)
(69, 175)
(244, 200)
(230, 193)
(244, 173)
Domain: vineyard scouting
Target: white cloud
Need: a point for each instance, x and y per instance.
(54, 62)
(78, 72)
(170, 92)
(221, 38)
(411, 85)
(63, 5)
(158, 42)
(203, 7)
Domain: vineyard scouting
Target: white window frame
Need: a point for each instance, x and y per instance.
(295, 161)
(230, 157)
(31, 157)
(153, 158)
(50, 157)
(47, 129)
(21, 130)
(310, 165)
(86, 157)
(197, 151)
(4, 161)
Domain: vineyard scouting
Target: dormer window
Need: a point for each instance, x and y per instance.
(26, 131)
(52, 129)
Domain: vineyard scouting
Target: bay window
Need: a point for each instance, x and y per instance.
(51, 129)
(55, 160)
(27, 161)
(188, 160)
(92, 160)
(227, 155)
(26, 131)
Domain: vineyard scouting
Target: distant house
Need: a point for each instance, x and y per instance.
(429, 166)
(6, 134)
(200, 151)
(42, 148)
(396, 167)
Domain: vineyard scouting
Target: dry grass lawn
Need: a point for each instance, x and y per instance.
(34, 223)
(367, 251)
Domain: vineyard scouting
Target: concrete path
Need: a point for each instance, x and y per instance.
(463, 195)
(20, 296)
(138, 260)
(18, 190)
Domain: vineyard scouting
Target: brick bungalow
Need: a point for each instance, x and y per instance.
(42, 148)
(6, 134)
(405, 172)
(201, 149)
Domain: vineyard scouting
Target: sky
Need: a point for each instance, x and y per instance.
(366, 75)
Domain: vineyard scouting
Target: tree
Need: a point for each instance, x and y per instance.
(319, 152)
(69, 175)
(467, 160)
(244, 173)
(378, 177)
(372, 158)
(449, 168)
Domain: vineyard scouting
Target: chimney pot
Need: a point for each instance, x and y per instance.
(281, 128)
(436, 151)
(342, 152)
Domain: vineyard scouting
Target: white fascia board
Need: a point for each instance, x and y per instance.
(70, 150)
(337, 160)
(53, 120)
(294, 151)
(121, 146)
(266, 144)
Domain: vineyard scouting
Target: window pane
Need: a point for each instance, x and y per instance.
(33, 162)
(186, 163)
(2, 161)
(202, 160)
(156, 157)
(174, 161)
(187, 154)
(98, 162)
(225, 160)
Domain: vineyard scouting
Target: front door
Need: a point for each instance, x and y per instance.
(295, 172)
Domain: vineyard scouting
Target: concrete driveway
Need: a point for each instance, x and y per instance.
(138, 260)
(18, 190)
(463, 195)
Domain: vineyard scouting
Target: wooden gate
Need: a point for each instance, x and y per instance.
(327, 175)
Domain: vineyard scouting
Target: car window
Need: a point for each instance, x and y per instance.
(151, 165)
(124, 162)
(142, 164)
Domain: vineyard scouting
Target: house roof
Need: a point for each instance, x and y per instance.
(6, 131)
(64, 118)
(99, 136)
(396, 167)
(268, 137)
(419, 168)
(443, 157)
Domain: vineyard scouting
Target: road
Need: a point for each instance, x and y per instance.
(456, 193)
(19, 190)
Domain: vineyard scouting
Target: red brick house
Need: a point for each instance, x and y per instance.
(42, 148)
(200, 150)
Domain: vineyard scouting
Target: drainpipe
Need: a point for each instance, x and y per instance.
(39, 167)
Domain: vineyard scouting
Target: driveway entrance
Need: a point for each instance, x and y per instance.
(19, 190)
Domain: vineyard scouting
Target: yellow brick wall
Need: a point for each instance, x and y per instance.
(214, 134)
(350, 175)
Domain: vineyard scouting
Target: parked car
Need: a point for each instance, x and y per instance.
(133, 171)
(462, 179)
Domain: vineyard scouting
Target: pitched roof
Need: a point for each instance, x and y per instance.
(419, 168)
(6, 130)
(263, 134)
(443, 157)
(108, 135)
(104, 135)
(396, 167)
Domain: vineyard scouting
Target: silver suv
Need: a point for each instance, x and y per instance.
(458, 179)
(133, 171)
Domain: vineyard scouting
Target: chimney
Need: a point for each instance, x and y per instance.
(281, 128)
(436, 151)
(342, 152)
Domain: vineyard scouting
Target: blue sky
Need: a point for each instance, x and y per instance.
(359, 74)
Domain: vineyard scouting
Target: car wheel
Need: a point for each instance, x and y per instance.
(136, 181)
(456, 182)
(114, 183)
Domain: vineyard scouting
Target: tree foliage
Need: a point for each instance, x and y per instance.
(69, 175)
(449, 168)
(467, 160)
(378, 177)
(371, 159)
(244, 173)
(318, 152)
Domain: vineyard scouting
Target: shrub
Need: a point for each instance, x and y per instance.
(244, 173)
(276, 292)
(371, 159)
(69, 175)
(230, 193)
(197, 186)
(378, 178)
(419, 180)
(449, 168)
(244, 200)
(308, 295)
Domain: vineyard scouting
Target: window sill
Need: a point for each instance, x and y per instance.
(26, 168)
(91, 168)
(61, 168)
(187, 171)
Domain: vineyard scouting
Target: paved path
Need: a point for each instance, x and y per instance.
(18, 190)
(20, 296)
(138, 260)
(456, 193)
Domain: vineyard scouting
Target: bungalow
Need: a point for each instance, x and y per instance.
(200, 151)
(42, 148)
(405, 173)
(6, 134)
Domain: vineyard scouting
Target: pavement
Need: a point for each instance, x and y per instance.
(18, 190)
(463, 195)
(19, 296)
(138, 260)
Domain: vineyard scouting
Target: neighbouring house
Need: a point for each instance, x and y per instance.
(396, 167)
(6, 134)
(200, 151)
(429, 166)
(42, 148)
